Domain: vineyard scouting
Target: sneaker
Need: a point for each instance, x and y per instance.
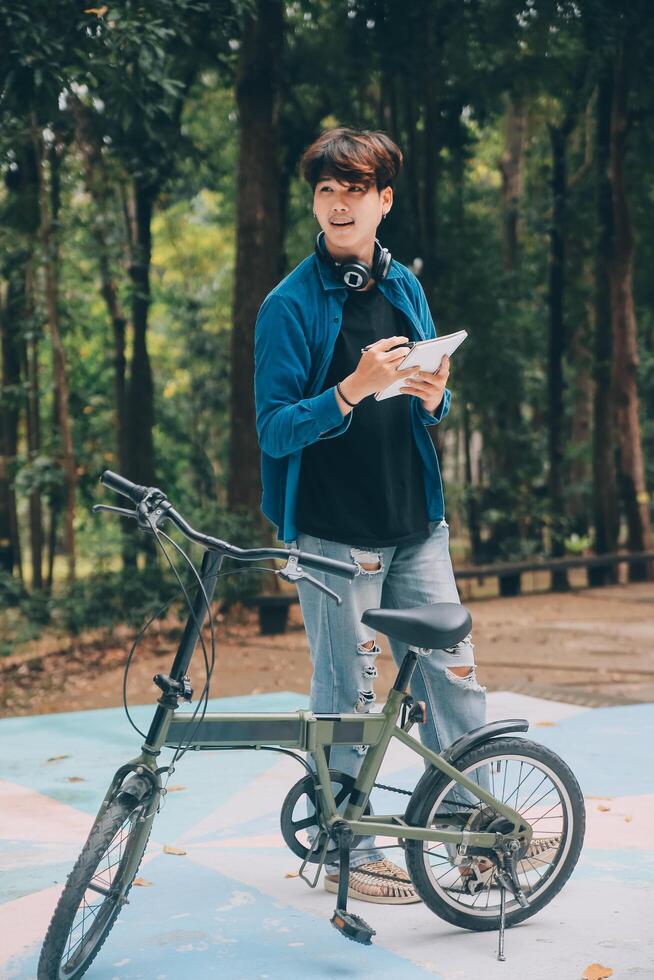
(542, 850)
(381, 882)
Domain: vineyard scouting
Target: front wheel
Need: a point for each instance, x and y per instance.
(533, 781)
(96, 889)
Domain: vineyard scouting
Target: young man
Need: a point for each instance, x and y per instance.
(354, 478)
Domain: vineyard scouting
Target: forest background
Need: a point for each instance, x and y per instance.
(151, 199)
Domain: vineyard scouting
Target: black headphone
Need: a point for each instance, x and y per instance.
(356, 274)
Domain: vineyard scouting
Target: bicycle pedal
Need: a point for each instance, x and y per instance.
(353, 927)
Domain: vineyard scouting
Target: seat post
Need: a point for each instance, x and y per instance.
(405, 673)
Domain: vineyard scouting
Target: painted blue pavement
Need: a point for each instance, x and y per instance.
(231, 905)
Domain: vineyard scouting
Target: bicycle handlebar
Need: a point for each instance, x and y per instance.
(123, 486)
(137, 495)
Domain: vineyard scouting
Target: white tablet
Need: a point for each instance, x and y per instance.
(427, 354)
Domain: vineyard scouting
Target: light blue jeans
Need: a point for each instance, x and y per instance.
(343, 650)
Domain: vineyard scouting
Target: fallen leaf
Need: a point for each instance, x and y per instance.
(628, 819)
(544, 724)
(169, 849)
(75, 779)
(603, 809)
(99, 11)
(56, 758)
(599, 797)
(143, 882)
(176, 789)
(595, 971)
(292, 874)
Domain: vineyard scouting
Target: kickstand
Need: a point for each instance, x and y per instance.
(500, 948)
(320, 839)
(507, 880)
(349, 925)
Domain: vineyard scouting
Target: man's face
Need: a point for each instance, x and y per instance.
(349, 214)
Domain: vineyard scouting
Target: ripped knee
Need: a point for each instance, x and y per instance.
(465, 677)
(368, 562)
(368, 651)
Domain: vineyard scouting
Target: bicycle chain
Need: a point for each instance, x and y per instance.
(394, 789)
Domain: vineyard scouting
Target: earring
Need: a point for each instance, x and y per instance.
(384, 215)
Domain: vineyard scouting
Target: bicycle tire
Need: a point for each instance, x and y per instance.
(433, 792)
(56, 962)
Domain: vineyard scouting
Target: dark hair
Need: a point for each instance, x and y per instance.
(352, 156)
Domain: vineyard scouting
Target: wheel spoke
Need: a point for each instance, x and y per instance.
(303, 824)
(539, 800)
(88, 909)
(544, 815)
(535, 790)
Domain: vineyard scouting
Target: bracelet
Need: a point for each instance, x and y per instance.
(347, 402)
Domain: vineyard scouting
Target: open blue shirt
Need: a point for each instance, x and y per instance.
(295, 333)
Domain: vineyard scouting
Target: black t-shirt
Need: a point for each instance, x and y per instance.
(366, 486)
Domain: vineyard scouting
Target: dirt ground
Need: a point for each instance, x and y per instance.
(588, 646)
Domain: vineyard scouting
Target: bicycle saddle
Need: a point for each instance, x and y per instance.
(437, 626)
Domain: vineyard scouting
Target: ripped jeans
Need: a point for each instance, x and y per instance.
(343, 650)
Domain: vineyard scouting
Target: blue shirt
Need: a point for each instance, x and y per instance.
(295, 333)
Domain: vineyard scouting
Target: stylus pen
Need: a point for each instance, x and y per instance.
(409, 343)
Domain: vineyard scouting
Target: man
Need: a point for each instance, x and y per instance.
(354, 478)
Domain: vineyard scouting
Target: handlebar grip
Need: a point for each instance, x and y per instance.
(332, 565)
(125, 487)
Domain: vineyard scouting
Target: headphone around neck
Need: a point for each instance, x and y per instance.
(356, 274)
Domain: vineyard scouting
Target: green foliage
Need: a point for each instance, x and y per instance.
(159, 86)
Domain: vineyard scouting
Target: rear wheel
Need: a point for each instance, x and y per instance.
(533, 781)
(96, 890)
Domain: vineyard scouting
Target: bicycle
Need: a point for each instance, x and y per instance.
(488, 796)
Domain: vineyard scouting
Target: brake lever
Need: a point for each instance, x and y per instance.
(114, 510)
(292, 572)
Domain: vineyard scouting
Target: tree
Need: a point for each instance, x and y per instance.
(259, 241)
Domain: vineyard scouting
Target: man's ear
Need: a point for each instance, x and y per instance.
(387, 198)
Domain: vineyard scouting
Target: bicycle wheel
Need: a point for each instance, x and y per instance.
(96, 890)
(537, 784)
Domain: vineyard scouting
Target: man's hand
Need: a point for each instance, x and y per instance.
(429, 388)
(377, 368)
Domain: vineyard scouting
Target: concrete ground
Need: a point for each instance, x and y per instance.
(230, 907)
(591, 647)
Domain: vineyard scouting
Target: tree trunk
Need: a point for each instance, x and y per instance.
(508, 413)
(625, 341)
(30, 355)
(511, 167)
(140, 406)
(580, 357)
(605, 505)
(412, 182)
(98, 187)
(431, 151)
(21, 219)
(558, 140)
(474, 530)
(10, 318)
(258, 236)
(51, 271)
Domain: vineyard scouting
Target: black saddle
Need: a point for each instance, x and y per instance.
(438, 626)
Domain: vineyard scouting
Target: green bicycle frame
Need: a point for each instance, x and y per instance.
(308, 732)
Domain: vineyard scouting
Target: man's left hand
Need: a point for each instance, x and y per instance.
(429, 388)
